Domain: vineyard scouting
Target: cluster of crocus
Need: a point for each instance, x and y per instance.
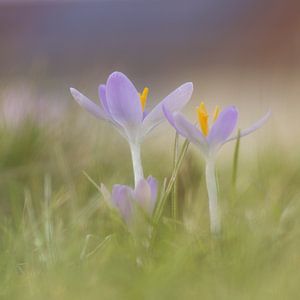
(127, 200)
(126, 109)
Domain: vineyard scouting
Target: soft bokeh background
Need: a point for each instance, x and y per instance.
(238, 52)
(58, 240)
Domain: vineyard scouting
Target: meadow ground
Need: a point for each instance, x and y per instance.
(59, 240)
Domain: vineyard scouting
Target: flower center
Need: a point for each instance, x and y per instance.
(143, 97)
(203, 117)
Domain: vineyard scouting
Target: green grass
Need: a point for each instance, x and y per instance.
(59, 240)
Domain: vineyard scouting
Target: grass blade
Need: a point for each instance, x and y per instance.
(162, 202)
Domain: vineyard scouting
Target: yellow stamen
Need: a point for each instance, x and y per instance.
(203, 118)
(216, 113)
(143, 97)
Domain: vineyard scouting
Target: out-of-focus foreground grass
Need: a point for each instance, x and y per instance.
(58, 240)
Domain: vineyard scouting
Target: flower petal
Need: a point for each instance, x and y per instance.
(252, 128)
(89, 105)
(223, 127)
(175, 101)
(169, 116)
(186, 129)
(102, 98)
(122, 198)
(153, 187)
(142, 195)
(123, 101)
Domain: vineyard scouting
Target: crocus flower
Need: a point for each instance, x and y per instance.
(126, 199)
(209, 141)
(126, 109)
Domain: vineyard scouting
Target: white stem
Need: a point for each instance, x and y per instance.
(211, 183)
(135, 149)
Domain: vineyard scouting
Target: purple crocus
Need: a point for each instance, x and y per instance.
(209, 141)
(125, 108)
(126, 200)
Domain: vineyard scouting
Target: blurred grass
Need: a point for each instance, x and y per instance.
(59, 241)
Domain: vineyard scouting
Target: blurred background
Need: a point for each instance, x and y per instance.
(241, 52)
(245, 53)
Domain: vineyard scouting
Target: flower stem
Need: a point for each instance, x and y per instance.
(135, 149)
(211, 183)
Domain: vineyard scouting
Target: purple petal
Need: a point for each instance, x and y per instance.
(253, 127)
(87, 104)
(169, 116)
(142, 194)
(122, 198)
(145, 114)
(189, 130)
(175, 101)
(102, 98)
(186, 129)
(153, 187)
(123, 101)
(223, 127)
